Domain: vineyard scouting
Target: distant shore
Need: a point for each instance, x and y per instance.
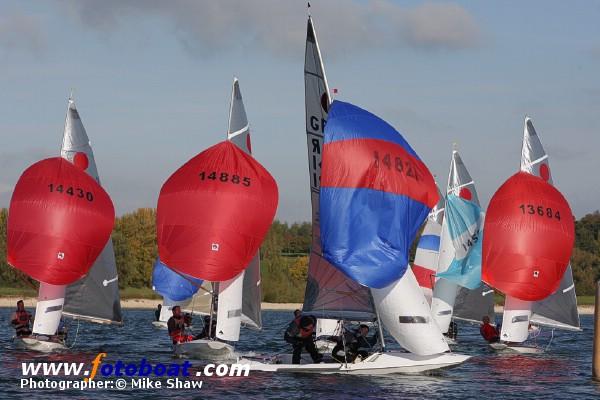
(30, 302)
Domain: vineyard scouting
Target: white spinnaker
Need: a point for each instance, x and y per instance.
(236, 292)
(405, 314)
(559, 310)
(460, 184)
(48, 310)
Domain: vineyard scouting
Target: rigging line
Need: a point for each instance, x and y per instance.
(550, 342)
(76, 334)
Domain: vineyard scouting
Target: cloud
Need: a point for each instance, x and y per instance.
(207, 27)
(21, 32)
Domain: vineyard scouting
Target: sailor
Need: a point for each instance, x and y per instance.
(176, 325)
(357, 344)
(299, 334)
(488, 332)
(157, 312)
(205, 333)
(20, 320)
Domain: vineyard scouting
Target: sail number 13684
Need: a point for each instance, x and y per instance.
(540, 211)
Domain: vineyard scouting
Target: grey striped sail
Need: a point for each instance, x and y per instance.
(95, 297)
(329, 293)
(239, 133)
(558, 310)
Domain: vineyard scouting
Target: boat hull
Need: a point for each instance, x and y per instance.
(44, 346)
(516, 349)
(205, 350)
(159, 324)
(375, 364)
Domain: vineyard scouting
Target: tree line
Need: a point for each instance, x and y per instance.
(284, 255)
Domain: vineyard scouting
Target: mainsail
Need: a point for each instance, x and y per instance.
(96, 296)
(329, 293)
(239, 133)
(559, 310)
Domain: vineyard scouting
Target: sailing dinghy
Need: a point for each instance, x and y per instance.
(59, 221)
(459, 231)
(559, 309)
(95, 297)
(218, 241)
(236, 301)
(374, 194)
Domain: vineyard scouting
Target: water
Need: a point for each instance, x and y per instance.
(561, 372)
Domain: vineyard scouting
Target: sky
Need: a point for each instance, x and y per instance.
(152, 82)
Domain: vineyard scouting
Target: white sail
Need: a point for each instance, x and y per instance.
(405, 314)
(229, 311)
(48, 310)
(329, 293)
(445, 292)
(559, 310)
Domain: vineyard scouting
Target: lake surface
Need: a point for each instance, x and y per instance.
(564, 371)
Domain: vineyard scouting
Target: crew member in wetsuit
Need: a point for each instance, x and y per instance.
(205, 332)
(357, 344)
(20, 320)
(488, 332)
(299, 334)
(176, 326)
(157, 312)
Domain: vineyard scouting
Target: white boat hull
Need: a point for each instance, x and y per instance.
(159, 324)
(205, 350)
(516, 349)
(44, 346)
(375, 364)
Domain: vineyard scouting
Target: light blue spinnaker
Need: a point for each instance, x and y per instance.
(465, 223)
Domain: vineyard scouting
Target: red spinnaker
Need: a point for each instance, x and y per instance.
(214, 212)
(59, 221)
(528, 238)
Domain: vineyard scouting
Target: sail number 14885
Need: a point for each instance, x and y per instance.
(225, 177)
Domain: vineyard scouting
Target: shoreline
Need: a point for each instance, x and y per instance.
(150, 304)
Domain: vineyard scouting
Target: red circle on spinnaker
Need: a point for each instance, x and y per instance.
(59, 221)
(528, 238)
(214, 212)
(81, 160)
(545, 172)
(248, 143)
(465, 193)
